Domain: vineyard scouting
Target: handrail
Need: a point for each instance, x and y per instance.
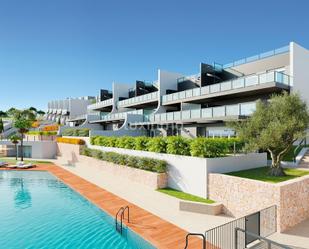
(121, 212)
(304, 140)
(268, 241)
(195, 234)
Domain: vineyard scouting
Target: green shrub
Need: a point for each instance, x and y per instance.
(42, 133)
(239, 144)
(129, 143)
(85, 151)
(157, 144)
(143, 163)
(132, 161)
(83, 132)
(141, 143)
(67, 132)
(97, 154)
(110, 141)
(121, 142)
(208, 147)
(178, 145)
(151, 165)
(201, 147)
(99, 141)
(92, 140)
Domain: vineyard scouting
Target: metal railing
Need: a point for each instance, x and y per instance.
(261, 242)
(243, 109)
(264, 55)
(301, 144)
(195, 234)
(238, 83)
(121, 212)
(139, 99)
(224, 236)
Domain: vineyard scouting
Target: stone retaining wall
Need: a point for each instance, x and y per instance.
(68, 154)
(242, 196)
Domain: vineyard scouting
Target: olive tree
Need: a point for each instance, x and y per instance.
(274, 127)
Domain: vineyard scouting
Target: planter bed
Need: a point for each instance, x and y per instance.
(68, 154)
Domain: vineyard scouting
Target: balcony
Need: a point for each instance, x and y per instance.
(274, 52)
(198, 115)
(118, 116)
(241, 83)
(146, 98)
(101, 104)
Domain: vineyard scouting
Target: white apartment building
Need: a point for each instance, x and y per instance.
(198, 105)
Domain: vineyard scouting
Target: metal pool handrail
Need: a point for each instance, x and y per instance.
(121, 212)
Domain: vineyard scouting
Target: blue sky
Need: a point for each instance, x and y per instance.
(69, 48)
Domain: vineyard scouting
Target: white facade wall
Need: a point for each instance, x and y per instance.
(300, 70)
(189, 174)
(40, 149)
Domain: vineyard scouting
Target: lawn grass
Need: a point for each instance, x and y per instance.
(12, 160)
(261, 174)
(184, 196)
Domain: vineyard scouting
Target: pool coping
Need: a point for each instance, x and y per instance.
(158, 232)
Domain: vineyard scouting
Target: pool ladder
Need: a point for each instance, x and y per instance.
(121, 213)
(195, 234)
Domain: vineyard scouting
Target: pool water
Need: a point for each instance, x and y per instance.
(38, 211)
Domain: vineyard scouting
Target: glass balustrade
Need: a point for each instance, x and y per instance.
(243, 109)
(138, 99)
(247, 109)
(101, 104)
(238, 83)
(120, 115)
(277, 51)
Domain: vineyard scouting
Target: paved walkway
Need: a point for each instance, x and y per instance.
(162, 205)
(157, 231)
(297, 237)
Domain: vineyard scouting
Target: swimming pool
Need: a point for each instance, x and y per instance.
(38, 211)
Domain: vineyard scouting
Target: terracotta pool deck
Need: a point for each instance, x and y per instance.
(157, 231)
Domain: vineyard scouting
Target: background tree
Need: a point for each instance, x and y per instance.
(10, 112)
(33, 109)
(15, 140)
(3, 114)
(23, 120)
(274, 127)
(40, 112)
(1, 127)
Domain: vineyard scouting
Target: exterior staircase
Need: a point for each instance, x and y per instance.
(304, 163)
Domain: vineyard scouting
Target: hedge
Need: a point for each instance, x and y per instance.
(82, 132)
(199, 147)
(70, 140)
(144, 163)
(50, 128)
(42, 133)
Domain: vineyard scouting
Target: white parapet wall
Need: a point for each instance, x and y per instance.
(189, 174)
(39, 149)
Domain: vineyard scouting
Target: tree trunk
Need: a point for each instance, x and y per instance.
(21, 147)
(276, 169)
(16, 148)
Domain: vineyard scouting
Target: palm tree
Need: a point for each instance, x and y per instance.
(22, 122)
(15, 140)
